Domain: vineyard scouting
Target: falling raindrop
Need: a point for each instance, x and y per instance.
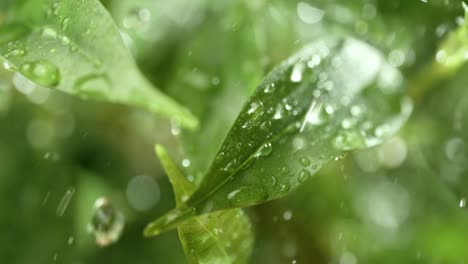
(63, 205)
(107, 223)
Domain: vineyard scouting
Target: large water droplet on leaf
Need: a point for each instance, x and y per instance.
(41, 72)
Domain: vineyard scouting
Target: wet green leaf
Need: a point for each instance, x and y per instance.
(220, 237)
(97, 64)
(335, 95)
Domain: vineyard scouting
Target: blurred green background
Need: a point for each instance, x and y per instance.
(402, 202)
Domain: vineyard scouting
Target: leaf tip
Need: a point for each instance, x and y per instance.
(151, 230)
(160, 151)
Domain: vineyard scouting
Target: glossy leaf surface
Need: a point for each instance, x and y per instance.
(334, 96)
(220, 237)
(98, 65)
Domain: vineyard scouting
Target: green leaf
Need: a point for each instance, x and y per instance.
(220, 237)
(334, 96)
(74, 47)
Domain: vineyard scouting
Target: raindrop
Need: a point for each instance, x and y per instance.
(49, 32)
(298, 143)
(232, 194)
(304, 175)
(70, 240)
(265, 150)
(15, 53)
(304, 161)
(137, 19)
(107, 223)
(65, 40)
(65, 24)
(41, 72)
(270, 88)
(8, 66)
(462, 203)
(296, 75)
(63, 205)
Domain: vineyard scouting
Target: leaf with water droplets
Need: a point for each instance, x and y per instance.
(348, 98)
(74, 47)
(220, 237)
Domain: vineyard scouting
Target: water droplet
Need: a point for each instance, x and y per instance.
(314, 115)
(65, 24)
(65, 40)
(304, 161)
(233, 194)
(265, 150)
(254, 107)
(137, 19)
(298, 143)
(63, 205)
(107, 223)
(304, 175)
(462, 203)
(296, 75)
(15, 53)
(41, 72)
(270, 88)
(8, 66)
(49, 32)
(70, 240)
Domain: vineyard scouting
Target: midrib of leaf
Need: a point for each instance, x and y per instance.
(182, 186)
(218, 244)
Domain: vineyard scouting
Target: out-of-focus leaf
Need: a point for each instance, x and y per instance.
(335, 95)
(454, 49)
(451, 56)
(98, 66)
(220, 237)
